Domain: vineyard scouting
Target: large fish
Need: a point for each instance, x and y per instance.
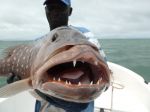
(63, 64)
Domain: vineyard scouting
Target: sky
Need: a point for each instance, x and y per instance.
(25, 19)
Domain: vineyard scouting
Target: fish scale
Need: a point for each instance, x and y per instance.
(63, 53)
(19, 62)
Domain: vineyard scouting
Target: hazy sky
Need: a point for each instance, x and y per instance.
(25, 19)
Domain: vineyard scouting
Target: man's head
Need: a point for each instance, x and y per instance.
(57, 12)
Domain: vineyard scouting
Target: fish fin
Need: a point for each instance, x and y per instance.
(5, 60)
(15, 88)
(9, 51)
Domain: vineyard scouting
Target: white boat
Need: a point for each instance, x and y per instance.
(128, 93)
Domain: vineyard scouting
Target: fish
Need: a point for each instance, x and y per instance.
(63, 64)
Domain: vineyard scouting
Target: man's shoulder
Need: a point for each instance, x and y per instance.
(81, 29)
(89, 35)
(85, 31)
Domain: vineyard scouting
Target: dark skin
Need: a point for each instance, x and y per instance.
(57, 14)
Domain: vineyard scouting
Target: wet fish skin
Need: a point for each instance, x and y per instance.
(20, 58)
(31, 61)
(18, 61)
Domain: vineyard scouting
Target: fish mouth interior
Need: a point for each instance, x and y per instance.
(76, 73)
(68, 73)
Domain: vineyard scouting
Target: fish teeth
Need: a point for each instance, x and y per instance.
(98, 82)
(74, 63)
(69, 83)
(59, 79)
(79, 84)
(54, 79)
(91, 83)
(66, 82)
(82, 61)
(96, 63)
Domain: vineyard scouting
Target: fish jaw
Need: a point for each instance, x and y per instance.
(81, 93)
(78, 74)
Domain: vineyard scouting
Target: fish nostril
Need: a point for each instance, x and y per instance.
(54, 38)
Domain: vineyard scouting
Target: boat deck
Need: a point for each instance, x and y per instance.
(127, 93)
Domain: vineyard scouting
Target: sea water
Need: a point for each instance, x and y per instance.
(133, 54)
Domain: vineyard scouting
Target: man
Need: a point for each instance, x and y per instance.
(57, 13)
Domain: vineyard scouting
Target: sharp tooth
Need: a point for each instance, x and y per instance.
(69, 83)
(79, 84)
(59, 79)
(96, 63)
(54, 79)
(98, 82)
(66, 82)
(74, 63)
(91, 83)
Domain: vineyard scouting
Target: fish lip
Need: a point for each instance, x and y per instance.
(78, 56)
(82, 98)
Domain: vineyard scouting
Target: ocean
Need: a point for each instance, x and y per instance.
(133, 54)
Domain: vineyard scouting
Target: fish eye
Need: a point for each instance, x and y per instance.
(55, 36)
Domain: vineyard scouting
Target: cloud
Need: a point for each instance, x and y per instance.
(114, 17)
(22, 19)
(105, 18)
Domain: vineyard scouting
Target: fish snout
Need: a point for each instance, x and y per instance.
(77, 73)
(69, 67)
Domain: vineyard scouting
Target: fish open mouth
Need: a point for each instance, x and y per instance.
(78, 74)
